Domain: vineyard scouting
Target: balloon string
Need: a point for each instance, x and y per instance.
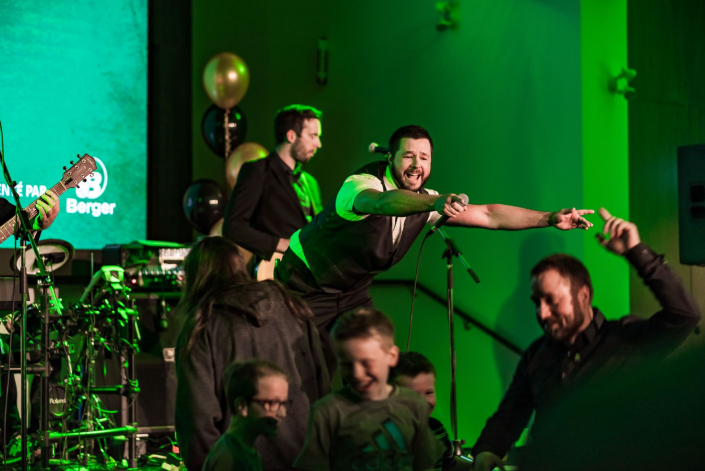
(226, 125)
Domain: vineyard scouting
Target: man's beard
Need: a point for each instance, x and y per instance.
(565, 333)
(399, 179)
(298, 153)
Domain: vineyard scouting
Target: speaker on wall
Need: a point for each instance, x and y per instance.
(691, 204)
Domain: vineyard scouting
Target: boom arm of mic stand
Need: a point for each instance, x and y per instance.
(453, 247)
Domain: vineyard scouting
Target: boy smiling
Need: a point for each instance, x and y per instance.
(369, 424)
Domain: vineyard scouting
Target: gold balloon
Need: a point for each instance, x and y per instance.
(217, 229)
(226, 79)
(242, 153)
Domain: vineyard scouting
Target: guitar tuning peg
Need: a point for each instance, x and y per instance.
(85, 179)
(64, 167)
(78, 186)
(71, 162)
(78, 155)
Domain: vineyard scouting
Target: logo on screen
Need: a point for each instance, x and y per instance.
(92, 189)
(95, 184)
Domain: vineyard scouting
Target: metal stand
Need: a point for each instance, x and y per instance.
(43, 434)
(450, 252)
(23, 232)
(23, 356)
(110, 279)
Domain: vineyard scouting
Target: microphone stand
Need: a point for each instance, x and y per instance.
(23, 232)
(453, 251)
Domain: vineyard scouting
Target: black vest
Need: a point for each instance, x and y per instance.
(346, 255)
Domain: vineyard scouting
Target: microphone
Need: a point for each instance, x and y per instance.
(463, 200)
(375, 148)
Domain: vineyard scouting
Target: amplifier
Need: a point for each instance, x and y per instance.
(149, 265)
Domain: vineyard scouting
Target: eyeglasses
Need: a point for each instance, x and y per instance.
(273, 405)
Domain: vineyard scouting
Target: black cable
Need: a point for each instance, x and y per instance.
(10, 332)
(413, 293)
(9, 374)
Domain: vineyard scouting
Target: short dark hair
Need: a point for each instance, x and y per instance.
(241, 378)
(568, 267)
(411, 364)
(412, 131)
(293, 117)
(362, 323)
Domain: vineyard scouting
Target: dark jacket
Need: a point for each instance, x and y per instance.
(7, 210)
(264, 207)
(548, 371)
(201, 412)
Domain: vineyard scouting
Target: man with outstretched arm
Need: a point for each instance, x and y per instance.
(580, 345)
(373, 221)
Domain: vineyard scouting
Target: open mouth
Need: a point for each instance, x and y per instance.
(415, 177)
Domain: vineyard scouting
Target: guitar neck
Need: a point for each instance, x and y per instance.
(8, 229)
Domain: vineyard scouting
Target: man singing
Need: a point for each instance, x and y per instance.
(274, 197)
(373, 221)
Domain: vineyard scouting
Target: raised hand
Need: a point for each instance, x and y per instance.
(567, 219)
(449, 205)
(618, 235)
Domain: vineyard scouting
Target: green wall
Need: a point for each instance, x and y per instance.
(667, 49)
(504, 99)
(605, 144)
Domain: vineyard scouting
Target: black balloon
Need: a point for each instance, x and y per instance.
(214, 132)
(204, 204)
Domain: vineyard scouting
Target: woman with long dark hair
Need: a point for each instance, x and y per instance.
(226, 316)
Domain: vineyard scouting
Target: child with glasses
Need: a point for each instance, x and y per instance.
(257, 393)
(229, 317)
(369, 424)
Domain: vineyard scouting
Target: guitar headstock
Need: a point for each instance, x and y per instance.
(78, 171)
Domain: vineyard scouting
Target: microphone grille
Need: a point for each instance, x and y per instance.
(372, 147)
(464, 198)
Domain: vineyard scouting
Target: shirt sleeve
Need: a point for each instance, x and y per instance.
(7, 210)
(427, 448)
(316, 453)
(679, 315)
(505, 426)
(439, 431)
(433, 216)
(353, 186)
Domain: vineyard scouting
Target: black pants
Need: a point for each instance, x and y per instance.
(326, 307)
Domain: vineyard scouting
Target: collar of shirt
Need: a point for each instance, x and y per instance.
(282, 167)
(588, 335)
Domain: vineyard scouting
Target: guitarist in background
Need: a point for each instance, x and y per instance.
(47, 205)
(274, 197)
